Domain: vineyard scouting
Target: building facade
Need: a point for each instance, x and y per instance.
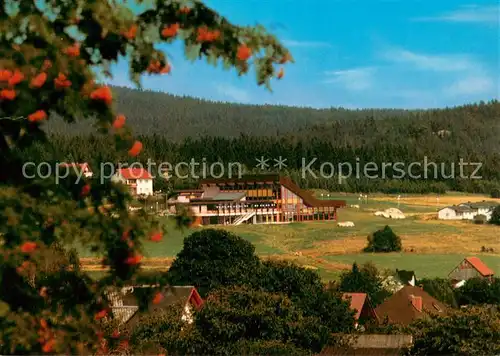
(260, 199)
(467, 211)
(470, 267)
(139, 180)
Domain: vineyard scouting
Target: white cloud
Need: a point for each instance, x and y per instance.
(440, 63)
(354, 79)
(306, 44)
(232, 92)
(470, 85)
(470, 14)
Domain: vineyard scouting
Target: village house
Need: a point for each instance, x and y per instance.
(361, 305)
(470, 267)
(257, 199)
(125, 304)
(372, 344)
(408, 304)
(79, 167)
(139, 180)
(397, 280)
(467, 211)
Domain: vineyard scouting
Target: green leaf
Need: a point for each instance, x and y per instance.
(193, 51)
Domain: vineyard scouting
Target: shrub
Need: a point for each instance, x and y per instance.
(495, 193)
(384, 240)
(495, 216)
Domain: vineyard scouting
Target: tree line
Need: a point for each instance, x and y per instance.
(394, 152)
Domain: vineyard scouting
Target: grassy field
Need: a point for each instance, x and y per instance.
(431, 247)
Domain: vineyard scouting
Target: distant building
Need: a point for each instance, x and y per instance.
(408, 304)
(470, 267)
(139, 180)
(362, 307)
(258, 199)
(467, 211)
(125, 305)
(82, 167)
(398, 280)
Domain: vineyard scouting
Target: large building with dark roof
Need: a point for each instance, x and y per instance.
(256, 199)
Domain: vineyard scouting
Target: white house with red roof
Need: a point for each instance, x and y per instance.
(139, 180)
(470, 267)
(82, 167)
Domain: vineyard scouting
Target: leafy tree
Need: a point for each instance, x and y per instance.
(474, 331)
(306, 290)
(441, 289)
(52, 62)
(495, 216)
(384, 240)
(213, 258)
(364, 280)
(237, 314)
(479, 291)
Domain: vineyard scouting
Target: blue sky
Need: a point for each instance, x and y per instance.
(355, 54)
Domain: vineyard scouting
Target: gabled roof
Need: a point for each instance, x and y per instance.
(408, 304)
(357, 301)
(134, 173)
(125, 306)
(483, 204)
(373, 344)
(460, 208)
(405, 276)
(480, 266)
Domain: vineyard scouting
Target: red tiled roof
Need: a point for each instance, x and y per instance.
(134, 173)
(480, 266)
(357, 301)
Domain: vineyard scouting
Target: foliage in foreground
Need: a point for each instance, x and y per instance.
(472, 331)
(236, 320)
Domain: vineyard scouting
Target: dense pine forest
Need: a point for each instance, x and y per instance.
(179, 129)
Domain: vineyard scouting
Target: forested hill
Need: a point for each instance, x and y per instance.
(175, 129)
(177, 117)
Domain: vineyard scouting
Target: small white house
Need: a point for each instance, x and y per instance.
(138, 180)
(466, 211)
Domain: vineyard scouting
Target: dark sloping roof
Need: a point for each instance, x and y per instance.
(399, 308)
(405, 276)
(460, 208)
(307, 197)
(247, 178)
(373, 344)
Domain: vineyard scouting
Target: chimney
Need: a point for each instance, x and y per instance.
(416, 302)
